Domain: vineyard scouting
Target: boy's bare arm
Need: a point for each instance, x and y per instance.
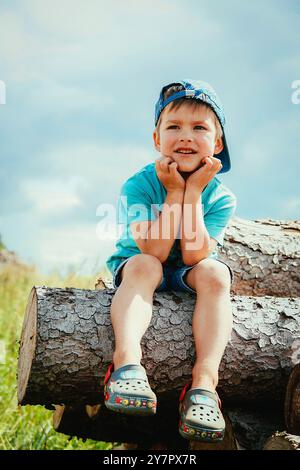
(157, 238)
(164, 230)
(195, 241)
(183, 205)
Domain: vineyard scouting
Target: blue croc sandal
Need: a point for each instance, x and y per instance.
(201, 418)
(127, 391)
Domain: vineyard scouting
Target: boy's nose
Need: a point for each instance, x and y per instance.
(185, 139)
(185, 135)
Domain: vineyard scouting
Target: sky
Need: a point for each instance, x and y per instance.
(78, 86)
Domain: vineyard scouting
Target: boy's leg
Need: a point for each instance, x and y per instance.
(212, 319)
(131, 307)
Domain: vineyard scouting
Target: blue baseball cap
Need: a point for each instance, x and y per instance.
(203, 91)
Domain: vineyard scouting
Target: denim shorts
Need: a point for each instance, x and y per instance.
(173, 277)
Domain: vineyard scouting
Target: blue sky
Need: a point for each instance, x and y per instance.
(81, 82)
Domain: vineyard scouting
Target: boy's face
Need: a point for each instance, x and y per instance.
(190, 128)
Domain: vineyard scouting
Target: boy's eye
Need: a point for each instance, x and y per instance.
(172, 127)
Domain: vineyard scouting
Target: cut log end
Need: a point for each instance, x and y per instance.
(57, 416)
(92, 410)
(68, 342)
(292, 402)
(27, 345)
(283, 441)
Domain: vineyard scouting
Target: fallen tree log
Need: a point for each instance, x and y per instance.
(67, 343)
(145, 433)
(247, 427)
(264, 255)
(253, 423)
(73, 421)
(106, 426)
(292, 399)
(283, 441)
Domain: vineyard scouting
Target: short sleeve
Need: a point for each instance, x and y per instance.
(134, 204)
(218, 217)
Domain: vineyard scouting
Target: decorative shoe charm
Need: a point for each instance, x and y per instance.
(201, 418)
(127, 391)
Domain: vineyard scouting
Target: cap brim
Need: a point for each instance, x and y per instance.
(224, 157)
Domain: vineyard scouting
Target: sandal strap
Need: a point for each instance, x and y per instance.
(200, 391)
(108, 373)
(184, 390)
(130, 371)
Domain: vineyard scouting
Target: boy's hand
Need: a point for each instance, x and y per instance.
(200, 178)
(166, 170)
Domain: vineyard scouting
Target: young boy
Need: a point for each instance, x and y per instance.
(179, 194)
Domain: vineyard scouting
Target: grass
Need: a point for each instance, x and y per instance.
(2, 246)
(28, 427)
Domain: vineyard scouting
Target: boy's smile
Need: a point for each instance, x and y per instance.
(187, 135)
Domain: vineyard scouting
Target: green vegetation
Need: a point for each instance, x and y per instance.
(2, 246)
(28, 427)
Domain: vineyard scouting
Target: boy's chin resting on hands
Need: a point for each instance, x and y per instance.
(185, 174)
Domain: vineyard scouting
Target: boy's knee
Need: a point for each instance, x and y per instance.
(212, 275)
(144, 265)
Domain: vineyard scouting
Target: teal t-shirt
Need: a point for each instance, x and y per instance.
(142, 197)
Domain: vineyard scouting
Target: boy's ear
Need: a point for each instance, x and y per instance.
(218, 146)
(156, 141)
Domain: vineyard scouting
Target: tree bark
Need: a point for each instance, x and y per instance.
(283, 441)
(292, 400)
(157, 432)
(247, 427)
(264, 255)
(104, 425)
(67, 343)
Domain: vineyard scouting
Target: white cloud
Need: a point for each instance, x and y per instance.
(70, 55)
(49, 248)
(69, 39)
(255, 157)
(17, 48)
(70, 18)
(52, 97)
(267, 147)
(291, 208)
(53, 195)
(78, 246)
(100, 163)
